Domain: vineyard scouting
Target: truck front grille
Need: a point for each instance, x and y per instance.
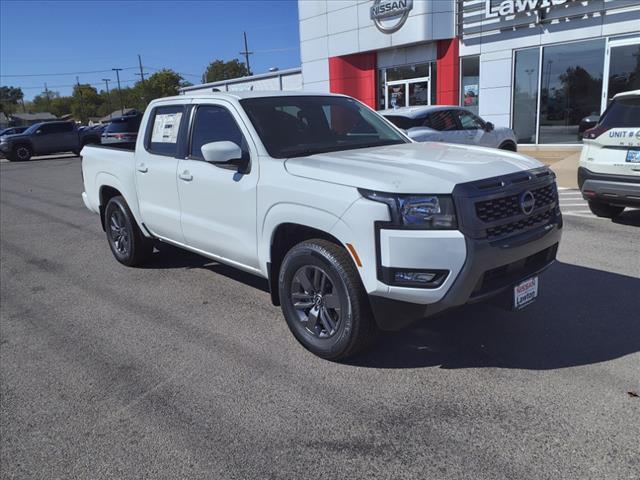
(514, 227)
(505, 207)
(491, 208)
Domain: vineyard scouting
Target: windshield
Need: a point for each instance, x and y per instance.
(295, 126)
(124, 125)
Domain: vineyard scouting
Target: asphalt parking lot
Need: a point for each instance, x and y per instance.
(184, 369)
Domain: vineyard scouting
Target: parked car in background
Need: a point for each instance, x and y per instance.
(122, 129)
(609, 171)
(12, 131)
(451, 124)
(45, 138)
(586, 123)
(355, 226)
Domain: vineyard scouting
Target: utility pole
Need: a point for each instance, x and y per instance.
(81, 100)
(141, 72)
(46, 94)
(246, 54)
(117, 70)
(144, 93)
(106, 82)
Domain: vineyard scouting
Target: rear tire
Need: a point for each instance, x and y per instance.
(605, 210)
(324, 302)
(127, 243)
(21, 153)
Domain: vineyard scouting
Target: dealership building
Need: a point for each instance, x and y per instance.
(537, 66)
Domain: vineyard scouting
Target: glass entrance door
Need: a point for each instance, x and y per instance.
(622, 68)
(405, 93)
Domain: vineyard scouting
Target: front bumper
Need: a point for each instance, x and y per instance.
(4, 148)
(489, 270)
(623, 190)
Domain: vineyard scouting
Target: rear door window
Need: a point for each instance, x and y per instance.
(163, 130)
(441, 120)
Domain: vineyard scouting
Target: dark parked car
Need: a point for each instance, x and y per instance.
(586, 123)
(12, 131)
(45, 138)
(122, 129)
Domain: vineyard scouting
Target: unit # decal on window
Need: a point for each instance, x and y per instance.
(165, 128)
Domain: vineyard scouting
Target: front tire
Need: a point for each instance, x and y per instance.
(323, 300)
(21, 153)
(127, 243)
(604, 210)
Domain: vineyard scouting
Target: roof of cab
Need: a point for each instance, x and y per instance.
(416, 111)
(239, 95)
(631, 93)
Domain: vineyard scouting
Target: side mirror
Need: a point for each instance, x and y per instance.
(225, 153)
(489, 126)
(221, 152)
(38, 132)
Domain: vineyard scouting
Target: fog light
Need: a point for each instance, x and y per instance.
(418, 277)
(414, 278)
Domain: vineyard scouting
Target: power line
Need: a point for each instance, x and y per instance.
(73, 85)
(62, 74)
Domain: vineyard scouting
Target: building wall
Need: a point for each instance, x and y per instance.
(335, 28)
(496, 47)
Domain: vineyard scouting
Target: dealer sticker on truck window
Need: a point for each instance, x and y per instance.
(524, 293)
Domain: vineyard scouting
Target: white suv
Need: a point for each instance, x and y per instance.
(355, 226)
(609, 171)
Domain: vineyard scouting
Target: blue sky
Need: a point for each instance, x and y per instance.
(48, 37)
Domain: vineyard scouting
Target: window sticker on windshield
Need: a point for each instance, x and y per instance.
(165, 128)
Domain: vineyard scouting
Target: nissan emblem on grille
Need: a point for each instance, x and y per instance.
(527, 202)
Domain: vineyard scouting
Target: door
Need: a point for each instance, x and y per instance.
(621, 67)
(218, 202)
(405, 93)
(66, 138)
(156, 165)
(42, 139)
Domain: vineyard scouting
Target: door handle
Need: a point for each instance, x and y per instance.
(141, 167)
(186, 176)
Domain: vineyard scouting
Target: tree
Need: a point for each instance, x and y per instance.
(10, 97)
(219, 70)
(164, 83)
(85, 102)
(42, 102)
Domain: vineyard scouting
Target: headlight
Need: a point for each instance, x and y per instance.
(3, 139)
(417, 211)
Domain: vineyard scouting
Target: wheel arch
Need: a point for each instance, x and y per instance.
(286, 225)
(509, 145)
(109, 187)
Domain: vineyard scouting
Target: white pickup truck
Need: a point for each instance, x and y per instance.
(356, 227)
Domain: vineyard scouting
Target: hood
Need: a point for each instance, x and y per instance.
(411, 167)
(15, 136)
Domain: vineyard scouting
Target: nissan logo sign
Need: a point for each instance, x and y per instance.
(390, 15)
(527, 202)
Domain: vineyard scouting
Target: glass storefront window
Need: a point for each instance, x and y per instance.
(624, 70)
(406, 72)
(525, 94)
(571, 85)
(470, 83)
